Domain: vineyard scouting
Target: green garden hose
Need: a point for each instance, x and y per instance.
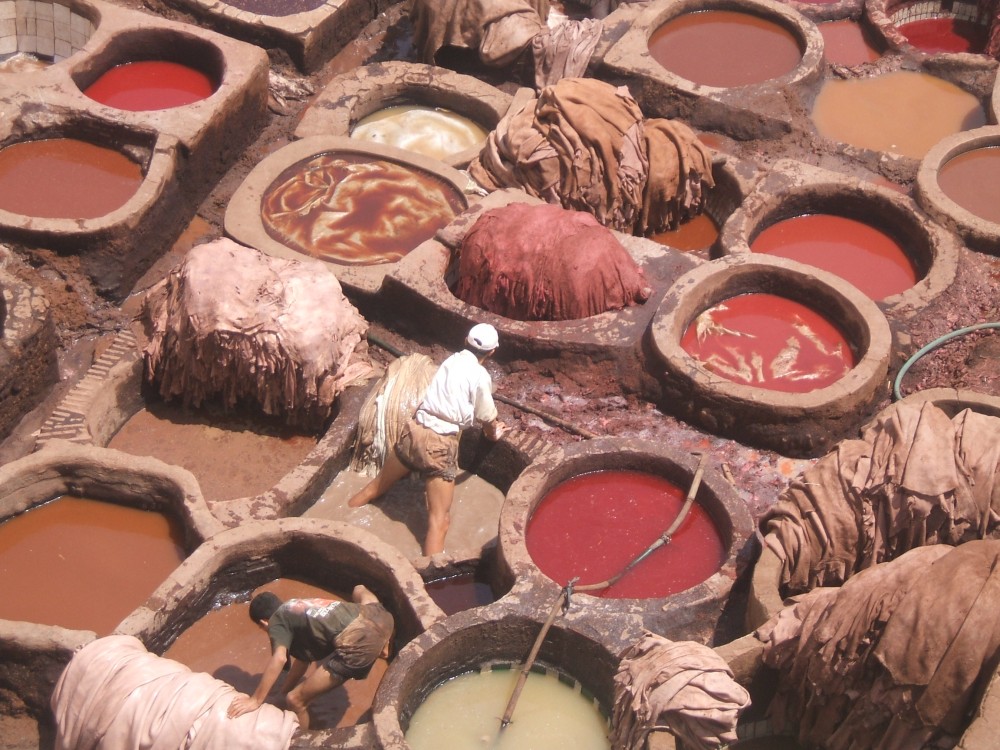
(931, 347)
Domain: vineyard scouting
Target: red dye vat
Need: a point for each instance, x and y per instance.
(845, 43)
(769, 342)
(857, 252)
(724, 48)
(63, 178)
(594, 524)
(945, 35)
(972, 180)
(696, 234)
(150, 85)
(459, 593)
(84, 564)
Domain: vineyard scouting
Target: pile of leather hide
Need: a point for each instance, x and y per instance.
(499, 29)
(389, 406)
(114, 695)
(895, 659)
(252, 330)
(915, 477)
(583, 144)
(541, 262)
(681, 686)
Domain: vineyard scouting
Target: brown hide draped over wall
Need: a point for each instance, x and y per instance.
(896, 658)
(499, 29)
(246, 328)
(583, 144)
(916, 477)
(541, 262)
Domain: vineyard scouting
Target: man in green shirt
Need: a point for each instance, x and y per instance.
(343, 638)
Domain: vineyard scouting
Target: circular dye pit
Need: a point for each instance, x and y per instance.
(857, 252)
(65, 178)
(934, 35)
(431, 131)
(725, 48)
(226, 644)
(697, 234)
(972, 180)
(903, 112)
(84, 564)
(150, 85)
(353, 209)
(464, 714)
(769, 342)
(845, 43)
(276, 7)
(459, 593)
(230, 457)
(592, 525)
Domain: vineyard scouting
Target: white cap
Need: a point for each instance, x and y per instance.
(483, 337)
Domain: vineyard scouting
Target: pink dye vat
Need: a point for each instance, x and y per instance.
(697, 234)
(769, 342)
(150, 85)
(972, 180)
(594, 524)
(857, 252)
(84, 564)
(65, 178)
(724, 48)
(945, 35)
(845, 43)
(459, 593)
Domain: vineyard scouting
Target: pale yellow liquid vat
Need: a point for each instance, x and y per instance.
(431, 131)
(904, 113)
(464, 714)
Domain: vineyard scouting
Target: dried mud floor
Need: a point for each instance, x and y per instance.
(87, 323)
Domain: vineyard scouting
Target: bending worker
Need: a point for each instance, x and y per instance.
(343, 638)
(459, 395)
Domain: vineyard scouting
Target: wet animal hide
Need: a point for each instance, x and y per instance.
(895, 659)
(583, 144)
(916, 477)
(681, 686)
(499, 29)
(389, 406)
(252, 330)
(565, 51)
(541, 262)
(115, 695)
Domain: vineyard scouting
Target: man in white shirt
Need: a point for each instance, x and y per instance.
(459, 395)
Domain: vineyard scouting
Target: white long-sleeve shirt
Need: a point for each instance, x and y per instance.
(459, 394)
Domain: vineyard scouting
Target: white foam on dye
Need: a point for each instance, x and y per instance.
(430, 131)
(464, 714)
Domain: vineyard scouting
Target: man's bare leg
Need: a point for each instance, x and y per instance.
(440, 493)
(319, 682)
(392, 471)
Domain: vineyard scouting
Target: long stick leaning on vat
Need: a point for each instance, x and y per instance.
(563, 600)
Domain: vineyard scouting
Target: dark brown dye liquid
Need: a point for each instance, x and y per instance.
(276, 7)
(458, 593)
(725, 48)
(972, 180)
(354, 209)
(231, 457)
(697, 234)
(226, 644)
(857, 252)
(65, 178)
(767, 743)
(84, 564)
(845, 43)
(771, 342)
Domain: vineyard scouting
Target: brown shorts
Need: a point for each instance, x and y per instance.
(424, 451)
(360, 643)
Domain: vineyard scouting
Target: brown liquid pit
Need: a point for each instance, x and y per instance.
(845, 43)
(725, 48)
(972, 180)
(84, 564)
(230, 456)
(226, 644)
(697, 234)
(65, 178)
